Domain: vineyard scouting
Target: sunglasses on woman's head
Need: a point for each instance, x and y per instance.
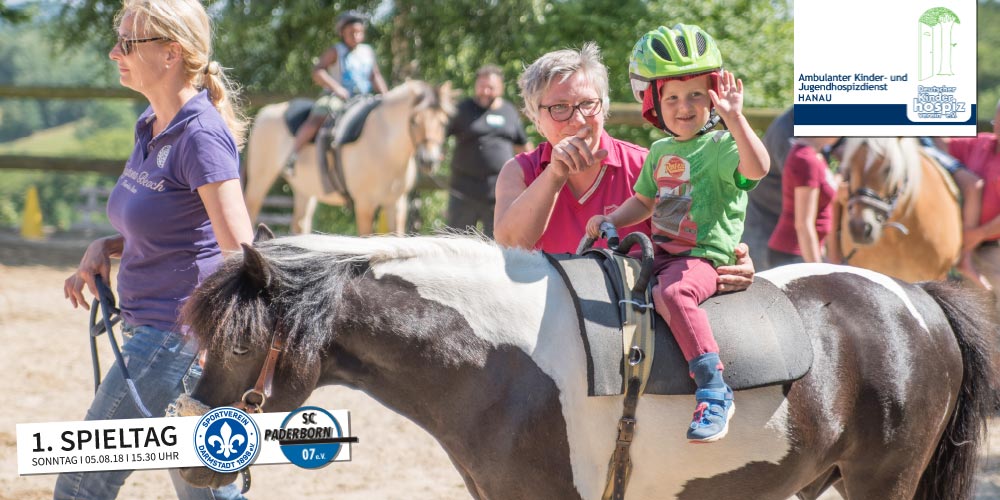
(128, 45)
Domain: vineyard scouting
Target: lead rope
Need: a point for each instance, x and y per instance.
(105, 301)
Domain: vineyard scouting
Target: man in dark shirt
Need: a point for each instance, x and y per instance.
(488, 132)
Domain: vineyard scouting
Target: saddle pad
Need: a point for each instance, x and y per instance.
(352, 121)
(297, 113)
(760, 334)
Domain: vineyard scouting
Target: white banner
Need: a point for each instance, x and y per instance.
(885, 68)
(223, 439)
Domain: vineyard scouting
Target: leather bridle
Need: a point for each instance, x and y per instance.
(253, 399)
(867, 197)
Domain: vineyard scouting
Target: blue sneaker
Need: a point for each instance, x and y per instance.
(711, 417)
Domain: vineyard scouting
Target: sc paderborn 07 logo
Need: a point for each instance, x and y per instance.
(226, 439)
(310, 437)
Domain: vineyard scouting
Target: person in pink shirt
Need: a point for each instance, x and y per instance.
(981, 155)
(545, 197)
(807, 190)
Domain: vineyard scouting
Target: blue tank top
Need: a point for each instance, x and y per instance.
(354, 68)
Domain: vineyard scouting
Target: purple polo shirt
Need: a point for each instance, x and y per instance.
(169, 244)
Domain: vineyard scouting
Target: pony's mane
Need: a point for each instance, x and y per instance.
(423, 94)
(309, 274)
(386, 248)
(903, 168)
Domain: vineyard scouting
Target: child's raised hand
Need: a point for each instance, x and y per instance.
(594, 225)
(728, 99)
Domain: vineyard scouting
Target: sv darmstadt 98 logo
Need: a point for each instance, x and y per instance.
(226, 439)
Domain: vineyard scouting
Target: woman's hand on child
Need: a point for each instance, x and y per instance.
(738, 276)
(728, 97)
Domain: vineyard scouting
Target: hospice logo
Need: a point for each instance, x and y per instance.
(226, 439)
(937, 101)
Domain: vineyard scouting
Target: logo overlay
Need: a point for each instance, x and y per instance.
(901, 69)
(310, 437)
(226, 439)
(161, 157)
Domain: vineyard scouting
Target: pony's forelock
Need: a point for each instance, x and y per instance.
(903, 171)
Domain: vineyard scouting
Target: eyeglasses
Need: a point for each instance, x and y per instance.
(128, 45)
(563, 112)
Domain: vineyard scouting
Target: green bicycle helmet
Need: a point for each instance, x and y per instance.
(683, 51)
(665, 52)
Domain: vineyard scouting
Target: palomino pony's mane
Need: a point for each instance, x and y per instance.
(423, 95)
(903, 167)
(309, 274)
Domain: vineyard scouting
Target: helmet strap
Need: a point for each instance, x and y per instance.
(655, 89)
(713, 119)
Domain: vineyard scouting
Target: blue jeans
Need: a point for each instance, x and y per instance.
(158, 362)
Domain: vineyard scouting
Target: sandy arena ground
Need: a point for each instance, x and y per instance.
(46, 361)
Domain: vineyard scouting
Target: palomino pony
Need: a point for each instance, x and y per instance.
(480, 346)
(379, 169)
(902, 218)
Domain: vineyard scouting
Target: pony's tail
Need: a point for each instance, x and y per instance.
(972, 316)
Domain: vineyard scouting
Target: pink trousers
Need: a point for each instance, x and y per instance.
(683, 284)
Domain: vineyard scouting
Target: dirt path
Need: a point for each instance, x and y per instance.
(45, 353)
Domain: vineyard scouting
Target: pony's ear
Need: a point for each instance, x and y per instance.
(263, 233)
(256, 267)
(447, 97)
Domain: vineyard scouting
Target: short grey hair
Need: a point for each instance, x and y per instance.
(562, 64)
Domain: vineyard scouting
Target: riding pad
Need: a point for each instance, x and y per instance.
(297, 113)
(760, 334)
(348, 125)
(352, 121)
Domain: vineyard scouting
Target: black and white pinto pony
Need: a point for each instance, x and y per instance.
(480, 346)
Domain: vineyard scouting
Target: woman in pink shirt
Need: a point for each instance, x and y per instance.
(981, 237)
(545, 197)
(807, 189)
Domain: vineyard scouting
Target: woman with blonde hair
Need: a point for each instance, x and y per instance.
(178, 208)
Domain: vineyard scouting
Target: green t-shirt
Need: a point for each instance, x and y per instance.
(700, 195)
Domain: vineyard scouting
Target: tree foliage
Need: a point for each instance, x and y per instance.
(270, 46)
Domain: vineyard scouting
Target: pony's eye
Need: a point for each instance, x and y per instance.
(240, 350)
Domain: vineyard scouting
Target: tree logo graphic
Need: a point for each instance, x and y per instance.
(935, 42)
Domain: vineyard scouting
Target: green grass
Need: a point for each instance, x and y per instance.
(81, 139)
(60, 197)
(59, 192)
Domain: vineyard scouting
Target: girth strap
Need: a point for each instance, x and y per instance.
(620, 467)
(637, 347)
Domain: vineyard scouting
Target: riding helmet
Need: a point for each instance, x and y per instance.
(683, 51)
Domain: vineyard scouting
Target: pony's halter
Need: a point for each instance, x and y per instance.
(253, 399)
(867, 197)
(883, 207)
